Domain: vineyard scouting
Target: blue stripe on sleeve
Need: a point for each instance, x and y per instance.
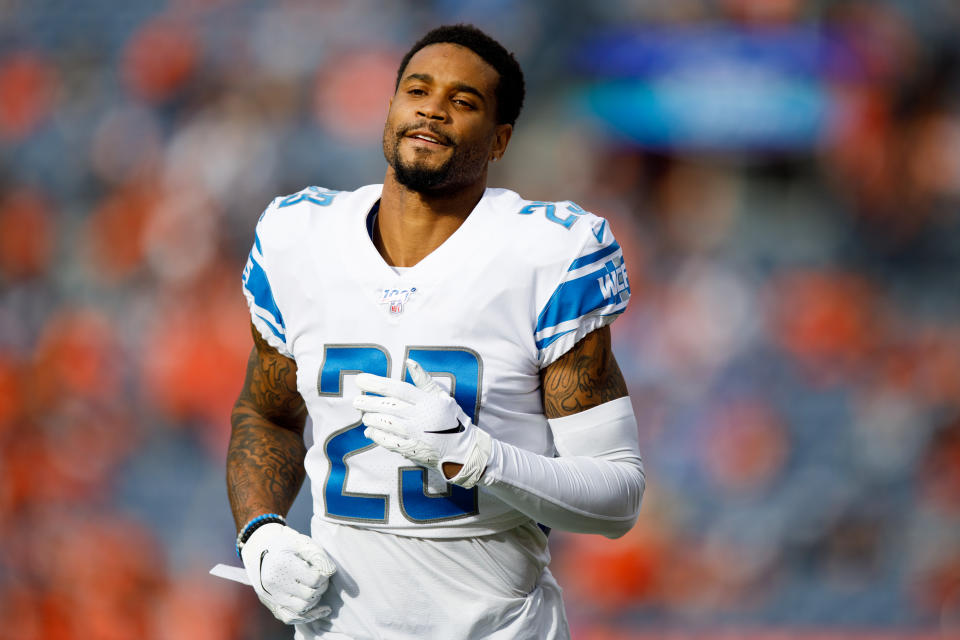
(256, 242)
(546, 342)
(576, 298)
(255, 280)
(273, 329)
(593, 257)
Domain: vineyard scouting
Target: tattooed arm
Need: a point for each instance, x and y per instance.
(289, 571)
(594, 485)
(584, 377)
(265, 456)
(597, 482)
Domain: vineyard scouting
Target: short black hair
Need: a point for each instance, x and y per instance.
(510, 88)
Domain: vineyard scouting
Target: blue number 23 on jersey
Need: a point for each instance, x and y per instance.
(463, 368)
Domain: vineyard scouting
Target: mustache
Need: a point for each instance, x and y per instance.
(426, 126)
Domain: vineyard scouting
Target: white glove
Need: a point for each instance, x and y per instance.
(289, 572)
(423, 423)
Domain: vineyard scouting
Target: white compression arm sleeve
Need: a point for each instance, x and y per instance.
(596, 484)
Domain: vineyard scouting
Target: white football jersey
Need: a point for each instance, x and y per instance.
(515, 287)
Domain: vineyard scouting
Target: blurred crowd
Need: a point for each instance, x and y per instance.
(792, 345)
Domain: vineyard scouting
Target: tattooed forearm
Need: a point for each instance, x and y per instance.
(264, 468)
(584, 377)
(265, 456)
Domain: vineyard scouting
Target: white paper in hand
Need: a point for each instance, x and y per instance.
(237, 574)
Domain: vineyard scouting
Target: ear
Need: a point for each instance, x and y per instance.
(501, 138)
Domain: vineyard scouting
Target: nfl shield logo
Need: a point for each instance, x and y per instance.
(394, 299)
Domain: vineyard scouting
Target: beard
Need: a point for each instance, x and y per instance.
(463, 166)
(420, 178)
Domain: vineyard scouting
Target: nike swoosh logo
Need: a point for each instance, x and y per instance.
(457, 429)
(263, 554)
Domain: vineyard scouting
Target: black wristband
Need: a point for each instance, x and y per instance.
(255, 524)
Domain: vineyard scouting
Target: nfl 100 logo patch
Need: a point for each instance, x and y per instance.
(395, 299)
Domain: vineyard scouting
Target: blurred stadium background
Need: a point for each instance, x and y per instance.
(784, 177)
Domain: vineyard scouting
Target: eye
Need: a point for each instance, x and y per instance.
(466, 104)
(416, 91)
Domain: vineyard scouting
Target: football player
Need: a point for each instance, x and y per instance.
(450, 343)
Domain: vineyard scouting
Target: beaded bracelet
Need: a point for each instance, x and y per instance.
(255, 524)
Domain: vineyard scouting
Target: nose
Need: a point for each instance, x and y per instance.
(432, 109)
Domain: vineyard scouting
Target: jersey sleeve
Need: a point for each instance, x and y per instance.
(264, 311)
(592, 292)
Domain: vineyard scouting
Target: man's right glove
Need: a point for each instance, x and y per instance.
(423, 423)
(289, 572)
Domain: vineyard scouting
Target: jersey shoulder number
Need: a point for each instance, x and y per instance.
(313, 195)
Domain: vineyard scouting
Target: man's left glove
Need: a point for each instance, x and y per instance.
(423, 423)
(289, 571)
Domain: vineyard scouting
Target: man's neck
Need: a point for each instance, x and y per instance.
(410, 225)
